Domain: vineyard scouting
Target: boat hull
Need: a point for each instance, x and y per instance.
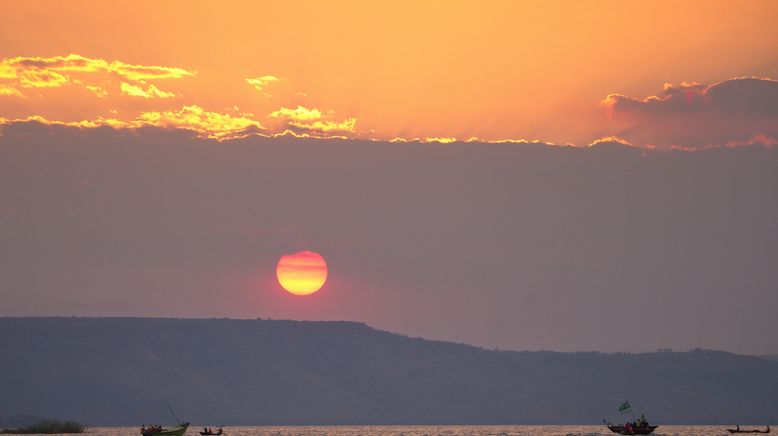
(620, 429)
(178, 430)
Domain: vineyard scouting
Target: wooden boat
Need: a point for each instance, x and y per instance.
(738, 430)
(211, 432)
(176, 430)
(623, 429)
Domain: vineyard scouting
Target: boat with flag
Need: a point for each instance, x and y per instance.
(635, 427)
(628, 429)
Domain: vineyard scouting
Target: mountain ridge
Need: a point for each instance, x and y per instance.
(122, 371)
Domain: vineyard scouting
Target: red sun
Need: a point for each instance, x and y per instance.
(302, 273)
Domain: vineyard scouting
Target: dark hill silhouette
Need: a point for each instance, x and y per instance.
(122, 371)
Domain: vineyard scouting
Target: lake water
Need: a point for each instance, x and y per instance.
(434, 430)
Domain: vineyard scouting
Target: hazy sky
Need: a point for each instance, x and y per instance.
(510, 245)
(157, 159)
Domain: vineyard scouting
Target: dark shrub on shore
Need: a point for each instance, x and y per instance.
(49, 426)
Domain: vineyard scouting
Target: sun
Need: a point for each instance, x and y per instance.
(302, 273)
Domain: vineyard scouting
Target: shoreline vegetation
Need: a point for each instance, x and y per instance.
(48, 426)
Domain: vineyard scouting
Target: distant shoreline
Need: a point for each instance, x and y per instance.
(122, 371)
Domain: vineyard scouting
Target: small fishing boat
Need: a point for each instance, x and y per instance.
(636, 426)
(209, 432)
(176, 430)
(738, 430)
(628, 429)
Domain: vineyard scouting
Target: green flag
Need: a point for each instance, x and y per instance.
(625, 407)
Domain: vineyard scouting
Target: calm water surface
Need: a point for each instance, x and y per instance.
(432, 430)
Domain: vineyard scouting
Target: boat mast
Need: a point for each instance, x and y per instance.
(172, 412)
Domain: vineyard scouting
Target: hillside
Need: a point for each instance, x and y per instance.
(122, 371)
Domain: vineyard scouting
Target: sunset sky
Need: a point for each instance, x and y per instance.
(488, 70)
(517, 174)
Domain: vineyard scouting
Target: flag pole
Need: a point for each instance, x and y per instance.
(627, 409)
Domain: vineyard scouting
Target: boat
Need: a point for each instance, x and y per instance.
(628, 429)
(176, 430)
(637, 426)
(209, 432)
(738, 430)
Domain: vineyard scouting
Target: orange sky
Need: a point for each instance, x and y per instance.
(380, 70)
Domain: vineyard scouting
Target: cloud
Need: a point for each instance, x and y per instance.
(150, 92)
(41, 79)
(739, 95)
(214, 125)
(300, 113)
(746, 95)
(7, 71)
(147, 72)
(96, 90)
(684, 97)
(762, 140)
(259, 83)
(82, 124)
(347, 125)
(609, 140)
(9, 90)
(23, 72)
(192, 118)
(314, 120)
(440, 140)
(24, 75)
(206, 124)
(696, 115)
(71, 62)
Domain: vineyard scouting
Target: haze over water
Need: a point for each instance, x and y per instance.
(438, 430)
